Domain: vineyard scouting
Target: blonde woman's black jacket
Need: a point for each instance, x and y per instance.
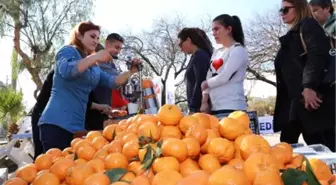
(295, 72)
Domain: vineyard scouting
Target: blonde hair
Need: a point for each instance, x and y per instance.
(302, 10)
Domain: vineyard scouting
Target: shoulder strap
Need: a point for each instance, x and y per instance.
(303, 42)
(305, 46)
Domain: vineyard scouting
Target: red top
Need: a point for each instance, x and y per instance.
(117, 100)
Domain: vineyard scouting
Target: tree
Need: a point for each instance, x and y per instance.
(180, 93)
(159, 50)
(11, 105)
(263, 106)
(37, 26)
(15, 69)
(262, 40)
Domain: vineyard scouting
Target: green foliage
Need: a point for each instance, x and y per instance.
(11, 104)
(15, 65)
(151, 153)
(15, 68)
(43, 26)
(263, 106)
(115, 174)
(297, 177)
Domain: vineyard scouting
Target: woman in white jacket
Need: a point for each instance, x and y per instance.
(223, 89)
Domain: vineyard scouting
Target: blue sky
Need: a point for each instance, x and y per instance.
(135, 15)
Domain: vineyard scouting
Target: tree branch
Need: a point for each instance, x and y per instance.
(148, 62)
(183, 66)
(59, 21)
(20, 39)
(181, 101)
(260, 77)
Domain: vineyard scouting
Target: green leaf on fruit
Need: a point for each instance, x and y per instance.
(293, 176)
(149, 158)
(312, 179)
(115, 174)
(114, 134)
(158, 151)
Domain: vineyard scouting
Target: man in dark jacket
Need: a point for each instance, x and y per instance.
(323, 12)
(101, 95)
(41, 102)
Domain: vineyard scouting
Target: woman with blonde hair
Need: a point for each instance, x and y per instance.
(304, 104)
(76, 75)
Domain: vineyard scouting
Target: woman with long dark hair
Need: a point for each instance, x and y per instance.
(76, 75)
(303, 103)
(194, 41)
(223, 89)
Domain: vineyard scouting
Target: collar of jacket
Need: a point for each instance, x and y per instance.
(295, 29)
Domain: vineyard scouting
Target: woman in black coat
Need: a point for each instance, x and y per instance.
(303, 104)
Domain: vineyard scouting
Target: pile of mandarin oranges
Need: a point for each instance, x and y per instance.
(170, 148)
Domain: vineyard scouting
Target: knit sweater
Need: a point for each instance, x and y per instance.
(225, 78)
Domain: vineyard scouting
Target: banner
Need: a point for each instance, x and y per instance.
(157, 89)
(170, 88)
(266, 125)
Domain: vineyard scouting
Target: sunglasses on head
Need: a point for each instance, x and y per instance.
(285, 10)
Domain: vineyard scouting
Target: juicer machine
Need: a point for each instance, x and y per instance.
(140, 92)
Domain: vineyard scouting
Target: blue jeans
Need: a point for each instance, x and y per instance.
(53, 136)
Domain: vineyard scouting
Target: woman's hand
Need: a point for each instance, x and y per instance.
(118, 113)
(311, 99)
(105, 55)
(104, 109)
(205, 107)
(204, 85)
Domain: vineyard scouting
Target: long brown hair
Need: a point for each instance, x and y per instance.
(81, 28)
(302, 10)
(198, 37)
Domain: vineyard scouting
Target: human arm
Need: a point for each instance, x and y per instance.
(317, 45)
(70, 64)
(238, 58)
(105, 109)
(205, 105)
(113, 82)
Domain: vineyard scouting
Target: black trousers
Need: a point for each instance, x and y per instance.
(94, 120)
(53, 136)
(38, 148)
(291, 132)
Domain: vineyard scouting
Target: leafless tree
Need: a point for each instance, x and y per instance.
(262, 34)
(36, 26)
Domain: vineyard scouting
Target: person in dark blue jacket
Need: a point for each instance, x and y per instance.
(95, 119)
(194, 41)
